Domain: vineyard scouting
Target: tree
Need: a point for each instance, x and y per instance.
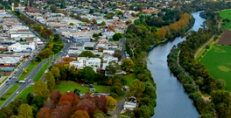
(88, 74)
(6, 112)
(87, 54)
(98, 114)
(113, 67)
(55, 95)
(118, 54)
(50, 80)
(44, 113)
(72, 15)
(111, 103)
(133, 44)
(103, 23)
(117, 36)
(140, 113)
(80, 114)
(16, 104)
(127, 65)
(137, 88)
(49, 103)
(40, 89)
(25, 111)
(55, 72)
(72, 24)
(94, 21)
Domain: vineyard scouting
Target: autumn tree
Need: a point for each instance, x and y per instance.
(44, 113)
(111, 103)
(127, 65)
(50, 80)
(55, 95)
(40, 89)
(49, 103)
(80, 114)
(25, 111)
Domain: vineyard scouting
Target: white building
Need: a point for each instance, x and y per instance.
(85, 61)
(130, 106)
(17, 47)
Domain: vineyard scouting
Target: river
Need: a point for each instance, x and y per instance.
(172, 100)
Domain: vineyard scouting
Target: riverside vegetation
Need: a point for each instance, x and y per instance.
(207, 93)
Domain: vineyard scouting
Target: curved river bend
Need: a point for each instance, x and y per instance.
(172, 100)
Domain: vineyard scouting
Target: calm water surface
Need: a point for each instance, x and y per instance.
(172, 100)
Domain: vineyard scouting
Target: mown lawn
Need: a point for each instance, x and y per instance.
(9, 93)
(226, 15)
(65, 86)
(24, 93)
(218, 62)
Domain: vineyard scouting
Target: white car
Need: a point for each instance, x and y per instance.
(17, 92)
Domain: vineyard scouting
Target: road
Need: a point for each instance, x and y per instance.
(31, 75)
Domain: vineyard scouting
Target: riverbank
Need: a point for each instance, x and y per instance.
(197, 81)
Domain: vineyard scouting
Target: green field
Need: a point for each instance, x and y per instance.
(24, 93)
(226, 15)
(65, 86)
(9, 93)
(218, 62)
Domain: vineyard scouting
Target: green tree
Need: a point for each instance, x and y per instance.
(6, 112)
(117, 36)
(88, 74)
(87, 54)
(50, 80)
(136, 88)
(40, 89)
(25, 111)
(72, 24)
(113, 67)
(127, 65)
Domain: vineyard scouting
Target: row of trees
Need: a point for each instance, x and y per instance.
(176, 28)
(195, 78)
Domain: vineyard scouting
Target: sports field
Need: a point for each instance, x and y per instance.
(226, 14)
(218, 62)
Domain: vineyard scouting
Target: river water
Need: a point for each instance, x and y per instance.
(172, 100)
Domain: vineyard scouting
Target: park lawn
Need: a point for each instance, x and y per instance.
(41, 71)
(226, 14)
(130, 78)
(218, 62)
(65, 86)
(9, 93)
(29, 68)
(24, 93)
